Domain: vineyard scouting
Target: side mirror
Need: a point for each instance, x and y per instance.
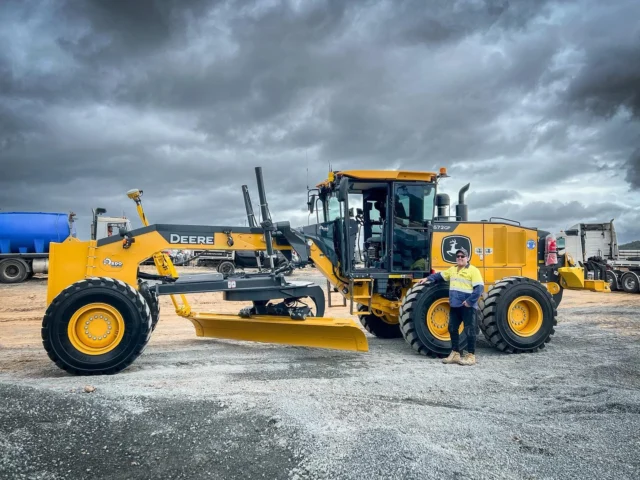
(343, 190)
(311, 203)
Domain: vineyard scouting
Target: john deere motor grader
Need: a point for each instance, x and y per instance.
(102, 309)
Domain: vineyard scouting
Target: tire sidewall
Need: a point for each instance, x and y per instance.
(424, 300)
(153, 302)
(134, 329)
(547, 306)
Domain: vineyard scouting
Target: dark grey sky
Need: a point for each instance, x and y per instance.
(536, 104)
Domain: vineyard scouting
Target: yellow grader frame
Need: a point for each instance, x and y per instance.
(102, 310)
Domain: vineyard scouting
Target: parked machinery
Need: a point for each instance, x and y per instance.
(102, 309)
(594, 246)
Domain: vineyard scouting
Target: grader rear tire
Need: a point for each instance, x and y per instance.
(424, 320)
(518, 315)
(96, 326)
(378, 327)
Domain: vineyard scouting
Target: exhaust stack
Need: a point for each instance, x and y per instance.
(462, 212)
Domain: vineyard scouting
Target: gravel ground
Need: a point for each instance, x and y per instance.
(206, 408)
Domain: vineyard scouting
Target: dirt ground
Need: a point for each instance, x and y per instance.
(206, 408)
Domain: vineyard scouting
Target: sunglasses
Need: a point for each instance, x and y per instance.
(461, 256)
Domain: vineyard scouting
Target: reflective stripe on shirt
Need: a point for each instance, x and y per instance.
(462, 283)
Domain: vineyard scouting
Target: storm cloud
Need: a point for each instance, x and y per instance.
(536, 104)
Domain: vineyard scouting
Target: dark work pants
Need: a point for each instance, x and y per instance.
(467, 316)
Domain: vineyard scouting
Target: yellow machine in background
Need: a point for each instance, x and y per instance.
(102, 310)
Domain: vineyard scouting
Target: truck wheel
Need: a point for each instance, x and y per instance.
(13, 270)
(378, 326)
(613, 280)
(424, 320)
(96, 326)
(226, 268)
(630, 282)
(518, 315)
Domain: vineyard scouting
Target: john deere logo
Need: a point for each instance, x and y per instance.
(452, 243)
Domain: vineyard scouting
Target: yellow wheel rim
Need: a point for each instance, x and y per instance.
(96, 328)
(525, 316)
(438, 320)
(553, 288)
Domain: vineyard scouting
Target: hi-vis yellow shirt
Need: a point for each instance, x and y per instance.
(466, 284)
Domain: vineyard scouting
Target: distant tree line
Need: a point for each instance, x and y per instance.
(635, 245)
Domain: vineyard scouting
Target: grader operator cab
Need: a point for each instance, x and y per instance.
(102, 309)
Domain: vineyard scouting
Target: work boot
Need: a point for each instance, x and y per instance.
(454, 357)
(467, 359)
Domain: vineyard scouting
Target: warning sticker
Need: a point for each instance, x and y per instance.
(488, 251)
(531, 244)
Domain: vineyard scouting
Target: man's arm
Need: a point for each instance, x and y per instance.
(478, 288)
(437, 277)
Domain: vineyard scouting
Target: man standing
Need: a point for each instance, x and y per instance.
(465, 287)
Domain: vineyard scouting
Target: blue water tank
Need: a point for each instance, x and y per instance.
(31, 232)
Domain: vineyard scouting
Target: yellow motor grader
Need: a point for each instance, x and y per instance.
(381, 232)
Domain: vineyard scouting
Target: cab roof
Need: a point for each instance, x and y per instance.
(383, 175)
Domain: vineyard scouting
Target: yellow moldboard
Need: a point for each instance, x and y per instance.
(317, 332)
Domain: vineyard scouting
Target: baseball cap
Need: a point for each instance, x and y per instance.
(466, 254)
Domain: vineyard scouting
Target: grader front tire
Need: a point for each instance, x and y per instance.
(152, 301)
(518, 315)
(96, 326)
(378, 326)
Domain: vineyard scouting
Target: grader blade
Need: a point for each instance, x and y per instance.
(316, 332)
